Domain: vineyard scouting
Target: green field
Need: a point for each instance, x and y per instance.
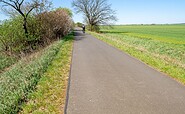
(160, 46)
(165, 33)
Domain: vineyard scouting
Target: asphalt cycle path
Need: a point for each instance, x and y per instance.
(104, 80)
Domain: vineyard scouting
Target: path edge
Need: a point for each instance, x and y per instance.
(69, 79)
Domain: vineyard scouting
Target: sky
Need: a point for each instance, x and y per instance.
(136, 11)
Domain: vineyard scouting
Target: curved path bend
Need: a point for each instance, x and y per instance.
(105, 80)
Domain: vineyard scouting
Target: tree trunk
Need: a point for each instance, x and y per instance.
(25, 27)
(91, 27)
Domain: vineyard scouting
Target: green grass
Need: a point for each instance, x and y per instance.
(160, 46)
(22, 78)
(49, 96)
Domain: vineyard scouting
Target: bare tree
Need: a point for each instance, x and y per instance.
(23, 8)
(96, 12)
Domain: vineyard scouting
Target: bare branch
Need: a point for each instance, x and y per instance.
(23, 9)
(7, 3)
(29, 11)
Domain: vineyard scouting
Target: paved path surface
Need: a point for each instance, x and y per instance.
(105, 80)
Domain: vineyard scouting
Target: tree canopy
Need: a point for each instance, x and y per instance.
(96, 12)
(23, 8)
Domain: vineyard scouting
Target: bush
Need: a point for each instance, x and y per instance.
(55, 24)
(43, 29)
(94, 28)
(78, 24)
(12, 36)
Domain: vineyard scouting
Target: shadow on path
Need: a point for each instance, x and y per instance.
(79, 35)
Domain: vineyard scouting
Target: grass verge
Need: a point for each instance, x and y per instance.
(157, 61)
(49, 96)
(21, 79)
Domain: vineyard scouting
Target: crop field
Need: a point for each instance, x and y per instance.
(160, 46)
(165, 33)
